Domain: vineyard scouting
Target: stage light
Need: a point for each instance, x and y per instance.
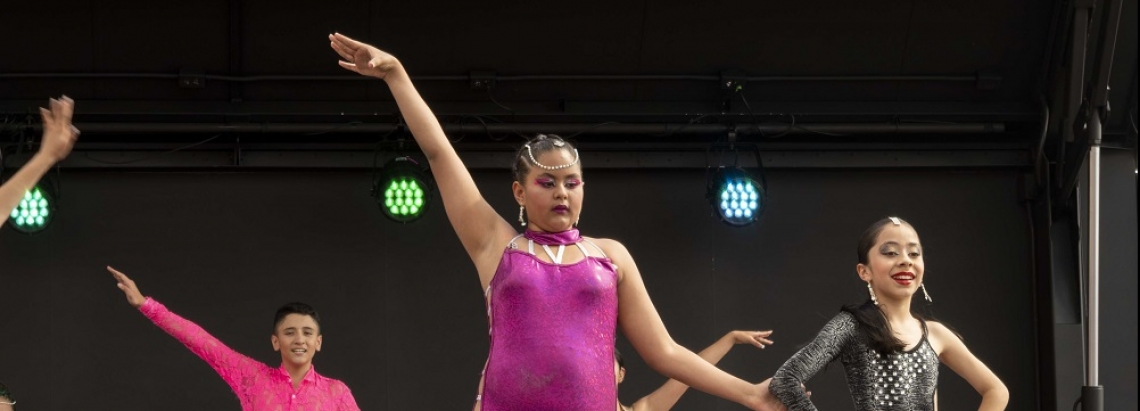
(737, 197)
(404, 189)
(34, 212)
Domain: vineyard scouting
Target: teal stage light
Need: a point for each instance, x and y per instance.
(34, 212)
(737, 197)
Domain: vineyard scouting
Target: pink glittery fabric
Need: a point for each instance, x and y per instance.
(552, 332)
(259, 387)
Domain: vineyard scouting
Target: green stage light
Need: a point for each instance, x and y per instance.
(403, 190)
(34, 212)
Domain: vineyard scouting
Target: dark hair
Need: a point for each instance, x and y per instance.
(296, 308)
(617, 357)
(874, 327)
(863, 249)
(539, 145)
(5, 394)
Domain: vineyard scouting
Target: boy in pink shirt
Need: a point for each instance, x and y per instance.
(294, 386)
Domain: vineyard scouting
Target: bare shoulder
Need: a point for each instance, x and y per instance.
(613, 248)
(942, 337)
(940, 330)
(605, 242)
(616, 253)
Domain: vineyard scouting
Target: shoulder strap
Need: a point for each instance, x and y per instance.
(600, 251)
(511, 244)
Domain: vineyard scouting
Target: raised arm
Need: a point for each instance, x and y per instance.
(643, 328)
(788, 383)
(481, 230)
(233, 367)
(59, 137)
(959, 359)
(666, 397)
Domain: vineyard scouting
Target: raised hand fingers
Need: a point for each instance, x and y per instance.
(66, 108)
(349, 66)
(134, 296)
(346, 41)
(757, 338)
(60, 111)
(341, 49)
(762, 337)
(56, 110)
(122, 278)
(345, 45)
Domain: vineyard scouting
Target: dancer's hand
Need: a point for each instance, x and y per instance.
(757, 338)
(59, 135)
(363, 58)
(767, 401)
(134, 297)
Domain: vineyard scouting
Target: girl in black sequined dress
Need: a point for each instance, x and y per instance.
(890, 355)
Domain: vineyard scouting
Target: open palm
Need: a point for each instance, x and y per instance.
(134, 296)
(362, 58)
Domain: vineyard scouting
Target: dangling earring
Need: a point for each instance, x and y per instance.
(926, 294)
(522, 221)
(872, 292)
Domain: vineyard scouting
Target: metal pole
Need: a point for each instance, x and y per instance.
(1094, 252)
(1092, 394)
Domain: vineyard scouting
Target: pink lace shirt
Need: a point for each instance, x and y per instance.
(258, 386)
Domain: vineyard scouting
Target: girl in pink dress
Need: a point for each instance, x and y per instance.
(552, 311)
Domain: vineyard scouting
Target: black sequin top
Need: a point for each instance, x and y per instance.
(901, 381)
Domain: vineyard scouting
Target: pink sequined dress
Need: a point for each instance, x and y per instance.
(552, 329)
(259, 387)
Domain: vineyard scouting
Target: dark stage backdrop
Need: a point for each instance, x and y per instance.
(403, 314)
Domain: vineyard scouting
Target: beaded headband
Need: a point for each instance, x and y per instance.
(557, 143)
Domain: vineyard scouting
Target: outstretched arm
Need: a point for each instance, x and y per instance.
(666, 397)
(233, 367)
(481, 230)
(958, 358)
(644, 329)
(59, 137)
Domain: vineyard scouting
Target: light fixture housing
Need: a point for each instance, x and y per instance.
(403, 190)
(35, 211)
(737, 198)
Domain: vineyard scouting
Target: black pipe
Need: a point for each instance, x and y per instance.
(559, 128)
(553, 77)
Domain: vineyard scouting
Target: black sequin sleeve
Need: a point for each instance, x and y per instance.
(827, 346)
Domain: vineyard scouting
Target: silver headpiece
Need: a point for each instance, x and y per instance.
(557, 143)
